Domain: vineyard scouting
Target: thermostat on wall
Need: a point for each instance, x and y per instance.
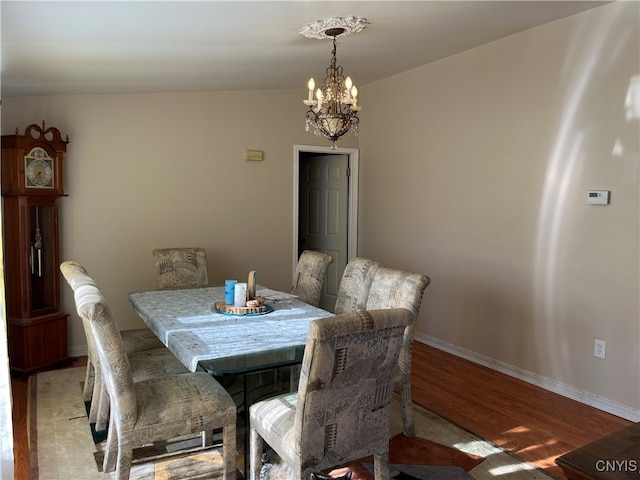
(598, 197)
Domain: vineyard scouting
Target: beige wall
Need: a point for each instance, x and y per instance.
(161, 170)
(474, 171)
(477, 174)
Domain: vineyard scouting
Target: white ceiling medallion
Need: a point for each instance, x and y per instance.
(318, 29)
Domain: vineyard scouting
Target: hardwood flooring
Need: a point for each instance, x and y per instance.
(530, 422)
(20, 438)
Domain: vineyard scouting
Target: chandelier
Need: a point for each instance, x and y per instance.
(334, 110)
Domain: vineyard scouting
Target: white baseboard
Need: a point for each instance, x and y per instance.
(606, 405)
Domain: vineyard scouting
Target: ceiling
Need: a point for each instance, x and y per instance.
(93, 47)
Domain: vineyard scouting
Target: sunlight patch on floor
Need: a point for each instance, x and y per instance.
(518, 429)
(477, 447)
(508, 469)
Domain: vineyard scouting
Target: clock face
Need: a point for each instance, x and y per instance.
(39, 169)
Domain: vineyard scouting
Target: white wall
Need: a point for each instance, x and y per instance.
(477, 175)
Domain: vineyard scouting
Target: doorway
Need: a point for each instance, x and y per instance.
(326, 209)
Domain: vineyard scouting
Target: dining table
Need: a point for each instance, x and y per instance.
(203, 338)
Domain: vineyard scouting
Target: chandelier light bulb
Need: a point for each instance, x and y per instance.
(354, 92)
(348, 83)
(311, 85)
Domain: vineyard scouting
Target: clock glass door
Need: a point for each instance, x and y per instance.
(42, 227)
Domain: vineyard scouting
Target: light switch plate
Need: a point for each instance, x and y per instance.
(253, 155)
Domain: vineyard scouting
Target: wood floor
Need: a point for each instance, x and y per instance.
(530, 422)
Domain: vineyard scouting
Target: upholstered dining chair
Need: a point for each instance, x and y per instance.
(147, 355)
(310, 275)
(180, 267)
(341, 410)
(157, 409)
(353, 290)
(392, 288)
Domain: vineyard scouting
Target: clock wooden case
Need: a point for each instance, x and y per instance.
(31, 186)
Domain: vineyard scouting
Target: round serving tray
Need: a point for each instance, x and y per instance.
(223, 308)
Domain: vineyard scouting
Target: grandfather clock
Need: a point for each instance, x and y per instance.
(31, 173)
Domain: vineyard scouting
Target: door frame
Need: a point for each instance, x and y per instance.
(352, 212)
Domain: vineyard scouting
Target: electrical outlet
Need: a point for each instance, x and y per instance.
(600, 349)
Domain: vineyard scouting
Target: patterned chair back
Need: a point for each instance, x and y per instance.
(180, 267)
(345, 388)
(155, 409)
(392, 288)
(75, 274)
(354, 286)
(310, 275)
(116, 371)
(77, 277)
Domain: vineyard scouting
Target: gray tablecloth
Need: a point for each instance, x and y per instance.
(186, 322)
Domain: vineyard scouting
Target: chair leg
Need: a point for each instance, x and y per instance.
(229, 452)
(255, 450)
(89, 378)
(102, 419)
(125, 458)
(110, 450)
(294, 378)
(381, 465)
(96, 397)
(206, 437)
(95, 405)
(408, 425)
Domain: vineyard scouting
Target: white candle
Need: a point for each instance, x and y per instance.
(348, 84)
(240, 295)
(311, 85)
